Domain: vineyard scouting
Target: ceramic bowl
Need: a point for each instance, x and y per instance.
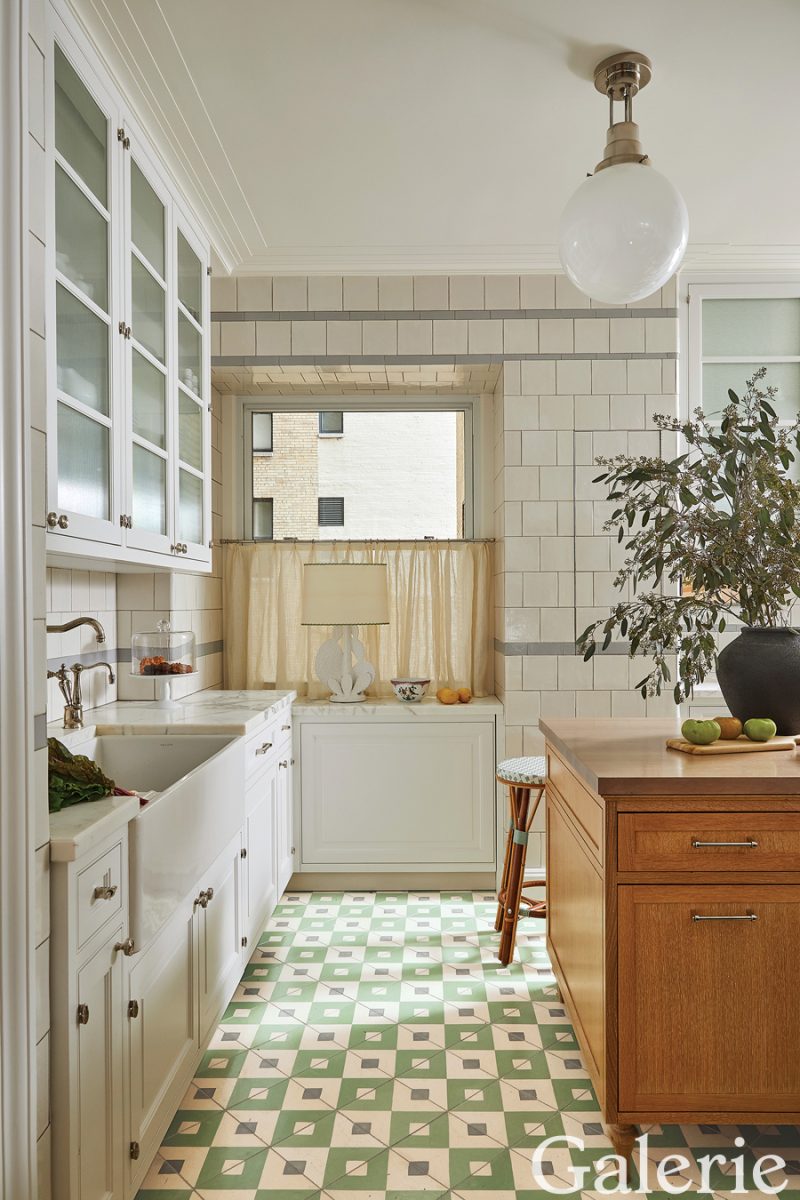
(409, 690)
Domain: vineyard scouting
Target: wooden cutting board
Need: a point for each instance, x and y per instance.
(741, 745)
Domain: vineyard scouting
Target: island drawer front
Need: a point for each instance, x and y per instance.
(708, 842)
(579, 801)
(708, 998)
(99, 893)
(261, 747)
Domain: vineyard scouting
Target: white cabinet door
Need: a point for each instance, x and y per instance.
(99, 1071)
(284, 834)
(259, 881)
(163, 1031)
(192, 400)
(219, 927)
(402, 795)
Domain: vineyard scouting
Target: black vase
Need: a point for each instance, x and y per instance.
(759, 675)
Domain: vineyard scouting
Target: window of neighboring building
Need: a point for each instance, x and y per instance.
(261, 432)
(331, 423)
(263, 517)
(330, 510)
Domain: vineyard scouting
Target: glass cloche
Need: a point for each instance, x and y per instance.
(164, 652)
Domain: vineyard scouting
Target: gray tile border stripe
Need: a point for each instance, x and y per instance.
(449, 314)
(562, 649)
(408, 360)
(121, 654)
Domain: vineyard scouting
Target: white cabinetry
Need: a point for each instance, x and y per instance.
(128, 298)
(400, 788)
(219, 935)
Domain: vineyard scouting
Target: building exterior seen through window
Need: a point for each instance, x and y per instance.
(356, 474)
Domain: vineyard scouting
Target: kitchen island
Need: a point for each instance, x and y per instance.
(674, 923)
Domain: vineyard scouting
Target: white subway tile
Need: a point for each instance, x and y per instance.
(522, 483)
(308, 337)
(512, 671)
(627, 704)
(591, 335)
(539, 448)
(558, 704)
(512, 442)
(627, 335)
(290, 293)
(537, 291)
(566, 518)
(396, 293)
(566, 589)
(521, 625)
(274, 337)
(466, 292)
(644, 375)
(237, 338)
(661, 334)
(449, 337)
(669, 375)
(539, 672)
(627, 412)
(538, 378)
(611, 671)
(573, 376)
(485, 337)
(555, 554)
(592, 554)
(556, 337)
(556, 412)
(415, 337)
(565, 448)
(583, 511)
(591, 412)
(540, 589)
(593, 704)
(557, 625)
(522, 708)
(521, 335)
(575, 674)
(521, 554)
(512, 588)
(512, 519)
(568, 296)
(343, 337)
(508, 383)
(555, 483)
(254, 293)
(608, 375)
(325, 293)
(521, 412)
(223, 293)
(610, 442)
(539, 518)
(431, 292)
(585, 488)
(501, 291)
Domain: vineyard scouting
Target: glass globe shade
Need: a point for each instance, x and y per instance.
(623, 233)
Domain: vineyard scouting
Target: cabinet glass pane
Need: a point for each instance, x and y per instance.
(147, 220)
(190, 431)
(81, 240)
(718, 377)
(149, 310)
(149, 491)
(190, 508)
(190, 278)
(189, 351)
(149, 401)
(758, 327)
(82, 351)
(81, 128)
(83, 464)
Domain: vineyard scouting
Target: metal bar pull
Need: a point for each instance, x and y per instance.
(750, 843)
(746, 917)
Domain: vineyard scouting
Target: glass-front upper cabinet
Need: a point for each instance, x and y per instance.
(194, 451)
(83, 473)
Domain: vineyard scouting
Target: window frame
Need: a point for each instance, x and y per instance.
(478, 431)
(330, 433)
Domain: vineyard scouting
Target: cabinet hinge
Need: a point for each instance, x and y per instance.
(123, 520)
(293, 850)
(243, 852)
(133, 1009)
(123, 138)
(124, 329)
(244, 941)
(134, 1150)
(208, 270)
(83, 1014)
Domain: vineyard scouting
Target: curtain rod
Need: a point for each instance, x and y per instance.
(341, 541)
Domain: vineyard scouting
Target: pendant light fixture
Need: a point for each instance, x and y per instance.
(624, 232)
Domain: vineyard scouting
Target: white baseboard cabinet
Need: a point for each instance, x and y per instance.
(399, 788)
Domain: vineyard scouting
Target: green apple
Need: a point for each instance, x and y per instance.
(700, 733)
(760, 729)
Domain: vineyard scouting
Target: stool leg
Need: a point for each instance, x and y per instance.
(516, 874)
(501, 895)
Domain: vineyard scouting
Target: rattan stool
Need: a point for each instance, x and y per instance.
(525, 778)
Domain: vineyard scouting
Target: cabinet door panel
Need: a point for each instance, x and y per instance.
(100, 1075)
(284, 819)
(260, 868)
(220, 936)
(709, 1009)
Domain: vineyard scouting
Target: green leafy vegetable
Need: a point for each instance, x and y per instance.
(73, 778)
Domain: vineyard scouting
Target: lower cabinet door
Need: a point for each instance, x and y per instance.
(709, 998)
(284, 820)
(259, 886)
(162, 1022)
(220, 932)
(99, 1070)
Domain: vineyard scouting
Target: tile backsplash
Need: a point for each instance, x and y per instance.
(73, 594)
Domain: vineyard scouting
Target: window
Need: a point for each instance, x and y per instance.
(330, 510)
(404, 470)
(331, 423)
(262, 517)
(261, 431)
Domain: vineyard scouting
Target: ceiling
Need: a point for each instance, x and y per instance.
(349, 380)
(446, 135)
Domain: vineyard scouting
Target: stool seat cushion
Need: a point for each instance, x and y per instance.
(531, 771)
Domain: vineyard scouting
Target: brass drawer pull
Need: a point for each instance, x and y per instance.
(203, 899)
(105, 892)
(127, 947)
(748, 917)
(750, 844)
(264, 747)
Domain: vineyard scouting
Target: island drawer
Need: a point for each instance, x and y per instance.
(100, 893)
(708, 841)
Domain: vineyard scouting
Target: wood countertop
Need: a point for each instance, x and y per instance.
(627, 756)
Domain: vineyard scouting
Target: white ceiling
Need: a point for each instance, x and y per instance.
(446, 135)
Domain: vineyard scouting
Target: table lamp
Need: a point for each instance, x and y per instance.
(345, 595)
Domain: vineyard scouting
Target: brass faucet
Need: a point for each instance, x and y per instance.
(71, 688)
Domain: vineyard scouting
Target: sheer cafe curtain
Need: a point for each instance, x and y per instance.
(440, 600)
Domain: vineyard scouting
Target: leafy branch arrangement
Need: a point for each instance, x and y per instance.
(724, 518)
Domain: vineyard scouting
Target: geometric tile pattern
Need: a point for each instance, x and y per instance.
(377, 1050)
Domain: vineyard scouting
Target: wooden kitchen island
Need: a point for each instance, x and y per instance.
(673, 905)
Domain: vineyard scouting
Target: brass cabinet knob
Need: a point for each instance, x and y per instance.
(127, 947)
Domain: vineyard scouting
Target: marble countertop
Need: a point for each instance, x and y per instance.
(78, 829)
(387, 708)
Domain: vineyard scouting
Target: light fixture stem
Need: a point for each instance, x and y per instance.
(628, 99)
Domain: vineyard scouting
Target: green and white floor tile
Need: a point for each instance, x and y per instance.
(377, 1050)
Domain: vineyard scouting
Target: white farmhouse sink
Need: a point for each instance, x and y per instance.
(197, 808)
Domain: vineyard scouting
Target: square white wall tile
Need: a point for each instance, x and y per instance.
(237, 338)
(223, 293)
(644, 375)
(324, 293)
(556, 412)
(556, 336)
(591, 336)
(396, 293)
(501, 291)
(290, 293)
(308, 337)
(466, 292)
(521, 412)
(608, 375)
(380, 337)
(539, 449)
(431, 292)
(568, 296)
(274, 337)
(254, 293)
(521, 335)
(538, 378)
(343, 337)
(574, 376)
(449, 337)
(360, 292)
(415, 337)
(485, 337)
(539, 672)
(537, 291)
(627, 335)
